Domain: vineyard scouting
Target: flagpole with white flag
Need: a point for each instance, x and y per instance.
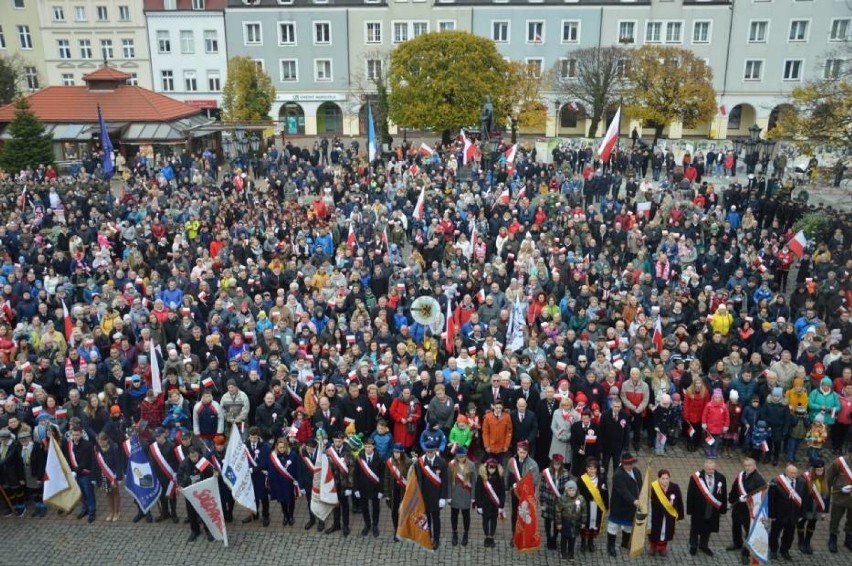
(204, 498)
(372, 141)
(236, 472)
(156, 379)
(60, 487)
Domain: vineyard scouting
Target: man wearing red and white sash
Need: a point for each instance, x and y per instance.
(786, 495)
(369, 483)
(431, 471)
(192, 470)
(519, 465)
(165, 465)
(746, 483)
(838, 476)
(79, 453)
(396, 480)
(814, 505)
(258, 453)
(462, 493)
(340, 460)
(705, 503)
(309, 466)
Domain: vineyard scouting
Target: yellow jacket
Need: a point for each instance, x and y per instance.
(722, 322)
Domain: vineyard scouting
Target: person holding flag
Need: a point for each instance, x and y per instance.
(431, 473)
(258, 453)
(80, 454)
(217, 457)
(814, 505)
(309, 467)
(520, 465)
(838, 477)
(786, 495)
(193, 469)
(748, 482)
(666, 510)
(490, 498)
(110, 474)
(283, 471)
(340, 462)
(398, 465)
(626, 484)
(166, 463)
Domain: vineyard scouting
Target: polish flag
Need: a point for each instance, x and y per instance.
(510, 159)
(658, 335)
(643, 209)
(690, 431)
(797, 245)
(350, 239)
(424, 149)
(522, 194)
(451, 329)
(469, 150)
(385, 240)
(611, 137)
(69, 324)
(764, 447)
(420, 207)
(414, 170)
(473, 238)
(480, 297)
(504, 198)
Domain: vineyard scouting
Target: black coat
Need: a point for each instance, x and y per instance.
(431, 492)
(585, 440)
(332, 425)
(527, 430)
(751, 483)
(782, 507)
(625, 490)
(270, 420)
(700, 509)
(532, 397)
(363, 482)
(613, 432)
(659, 515)
(12, 473)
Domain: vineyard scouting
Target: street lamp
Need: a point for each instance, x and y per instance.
(227, 146)
(768, 148)
(738, 146)
(754, 133)
(557, 105)
(254, 142)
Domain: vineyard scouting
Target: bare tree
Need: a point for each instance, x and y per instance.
(370, 83)
(592, 77)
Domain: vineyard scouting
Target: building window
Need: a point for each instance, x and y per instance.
(701, 32)
(757, 31)
(251, 34)
(58, 14)
(80, 13)
(833, 68)
(839, 30)
(289, 71)
(106, 49)
(85, 49)
(374, 32)
(793, 70)
(753, 70)
(67, 79)
(447, 25)
(627, 32)
(168, 81)
(128, 48)
(673, 32)
(197, 4)
(322, 70)
(286, 33)
(25, 37)
(190, 81)
(103, 14)
(211, 41)
(500, 32)
(419, 28)
(164, 42)
(400, 32)
(798, 30)
(374, 69)
(124, 13)
(535, 64)
(259, 64)
(133, 80)
(570, 32)
(214, 82)
(535, 32)
(187, 42)
(322, 33)
(31, 78)
(567, 68)
(64, 47)
(653, 32)
(19, 4)
(169, 4)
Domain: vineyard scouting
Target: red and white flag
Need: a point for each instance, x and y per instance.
(473, 237)
(510, 154)
(658, 335)
(385, 240)
(611, 137)
(69, 324)
(424, 149)
(798, 244)
(420, 207)
(643, 209)
(156, 380)
(451, 329)
(504, 198)
(469, 152)
(350, 239)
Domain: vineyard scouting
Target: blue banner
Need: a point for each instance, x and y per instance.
(106, 145)
(372, 141)
(140, 480)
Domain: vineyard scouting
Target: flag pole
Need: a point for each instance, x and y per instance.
(618, 139)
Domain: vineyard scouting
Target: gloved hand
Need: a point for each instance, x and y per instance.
(442, 503)
(301, 492)
(358, 494)
(479, 510)
(846, 489)
(743, 498)
(347, 492)
(381, 495)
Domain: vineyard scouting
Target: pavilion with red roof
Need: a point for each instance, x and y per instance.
(134, 116)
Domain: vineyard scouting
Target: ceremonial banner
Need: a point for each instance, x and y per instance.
(236, 472)
(757, 541)
(60, 487)
(204, 498)
(324, 498)
(413, 524)
(140, 480)
(640, 520)
(526, 537)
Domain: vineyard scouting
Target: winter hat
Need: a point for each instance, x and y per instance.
(734, 395)
(115, 410)
(825, 381)
(676, 397)
(820, 418)
(798, 382)
(777, 392)
(571, 485)
(462, 420)
(718, 393)
(665, 400)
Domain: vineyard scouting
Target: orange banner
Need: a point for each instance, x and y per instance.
(413, 524)
(526, 536)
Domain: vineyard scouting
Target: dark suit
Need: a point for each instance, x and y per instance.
(740, 515)
(368, 489)
(526, 429)
(260, 454)
(487, 399)
(614, 433)
(705, 517)
(331, 424)
(784, 512)
(584, 444)
(433, 493)
(544, 413)
(530, 395)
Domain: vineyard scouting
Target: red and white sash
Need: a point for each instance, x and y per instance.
(362, 463)
(126, 446)
(105, 469)
(516, 470)
(492, 495)
(459, 477)
(548, 479)
(784, 484)
(71, 455)
(429, 473)
(281, 468)
(252, 461)
(338, 460)
(702, 488)
(308, 464)
(740, 484)
(293, 395)
(164, 467)
(397, 474)
(844, 466)
(179, 454)
(815, 494)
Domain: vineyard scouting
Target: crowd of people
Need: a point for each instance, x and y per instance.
(581, 313)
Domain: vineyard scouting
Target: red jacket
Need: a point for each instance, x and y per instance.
(693, 406)
(715, 418)
(405, 433)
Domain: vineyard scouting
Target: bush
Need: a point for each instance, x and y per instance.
(816, 227)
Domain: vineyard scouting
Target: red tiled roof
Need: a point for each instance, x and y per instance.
(78, 104)
(106, 73)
